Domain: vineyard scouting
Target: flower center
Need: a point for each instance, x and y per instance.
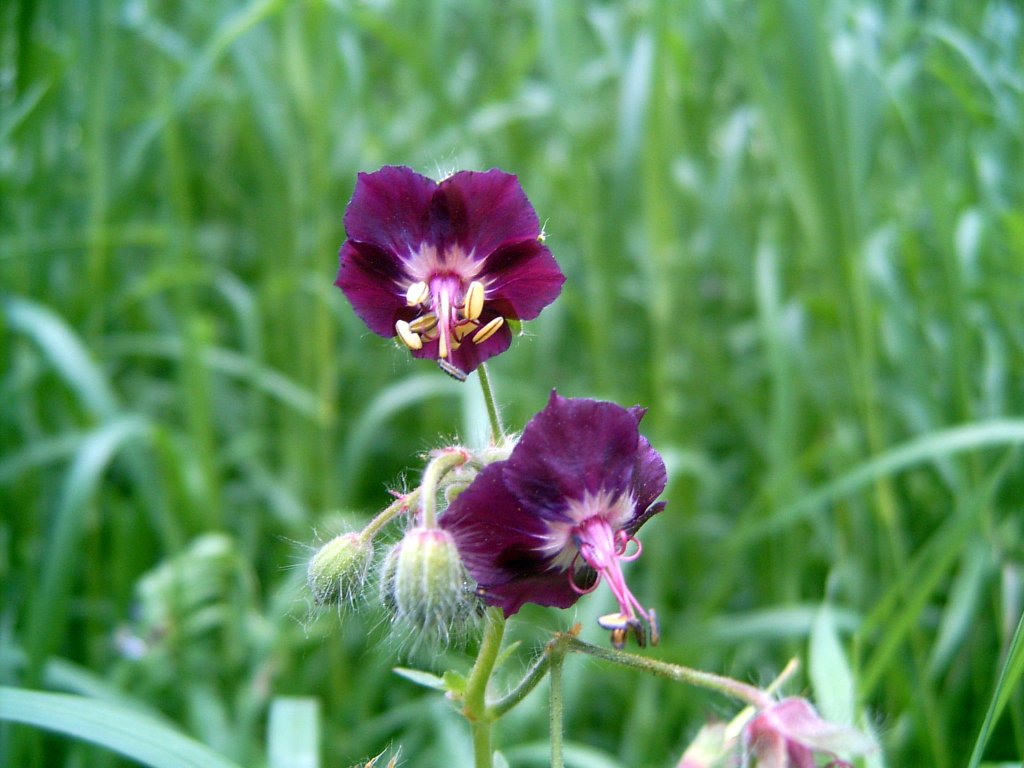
(449, 313)
(604, 550)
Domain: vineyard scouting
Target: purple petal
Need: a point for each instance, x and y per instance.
(551, 589)
(390, 208)
(523, 279)
(369, 277)
(572, 447)
(470, 354)
(481, 211)
(499, 543)
(649, 475)
(643, 515)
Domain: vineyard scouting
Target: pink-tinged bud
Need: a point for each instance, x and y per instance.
(425, 582)
(337, 572)
(790, 732)
(710, 749)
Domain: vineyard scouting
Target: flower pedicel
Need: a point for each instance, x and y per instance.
(444, 266)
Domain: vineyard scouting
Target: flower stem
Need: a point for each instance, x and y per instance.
(555, 708)
(497, 430)
(439, 466)
(724, 685)
(483, 754)
(399, 505)
(475, 708)
(533, 676)
(735, 726)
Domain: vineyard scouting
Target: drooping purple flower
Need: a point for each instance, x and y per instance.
(790, 732)
(561, 513)
(444, 266)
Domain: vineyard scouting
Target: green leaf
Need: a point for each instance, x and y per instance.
(506, 653)
(1009, 676)
(425, 679)
(454, 682)
(65, 351)
(59, 559)
(113, 726)
(928, 448)
(293, 733)
(829, 670)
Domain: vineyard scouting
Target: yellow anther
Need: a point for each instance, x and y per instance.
(488, 330)
(423, 323)
(474, 303)
(409, 338)
(463, 329)
(417, 293)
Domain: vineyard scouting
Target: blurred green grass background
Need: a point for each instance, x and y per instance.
(794, 231)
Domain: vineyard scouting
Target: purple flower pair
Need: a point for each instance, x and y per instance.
(444, 266)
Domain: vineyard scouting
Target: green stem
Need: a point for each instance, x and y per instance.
(555, 709)
(497, 430)
(440, 466)
(399, 505)
(735, 725)
(533, 675)
(483, 754)
(475, 708)
(724, 685)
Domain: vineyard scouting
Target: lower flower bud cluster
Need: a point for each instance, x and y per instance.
(542, 519)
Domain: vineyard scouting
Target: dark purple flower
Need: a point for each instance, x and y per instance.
(443, 266)
(789, 733)
(562, 512)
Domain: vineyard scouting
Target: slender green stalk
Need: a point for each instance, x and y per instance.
(393, 510)
(497, 430)
(555, 708)
(483, 753)
(533, 675)
(724, 685)
(440, 466)
(475, 708)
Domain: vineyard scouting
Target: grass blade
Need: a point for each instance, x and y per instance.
(113, 726)
(1009, 676)
(293, 733)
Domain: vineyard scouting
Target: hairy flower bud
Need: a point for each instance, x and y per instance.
(337, 572)
(461, 477)
(425, 581)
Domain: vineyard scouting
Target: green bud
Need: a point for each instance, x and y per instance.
(429, 586)
(387, 578)
(337, 572)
